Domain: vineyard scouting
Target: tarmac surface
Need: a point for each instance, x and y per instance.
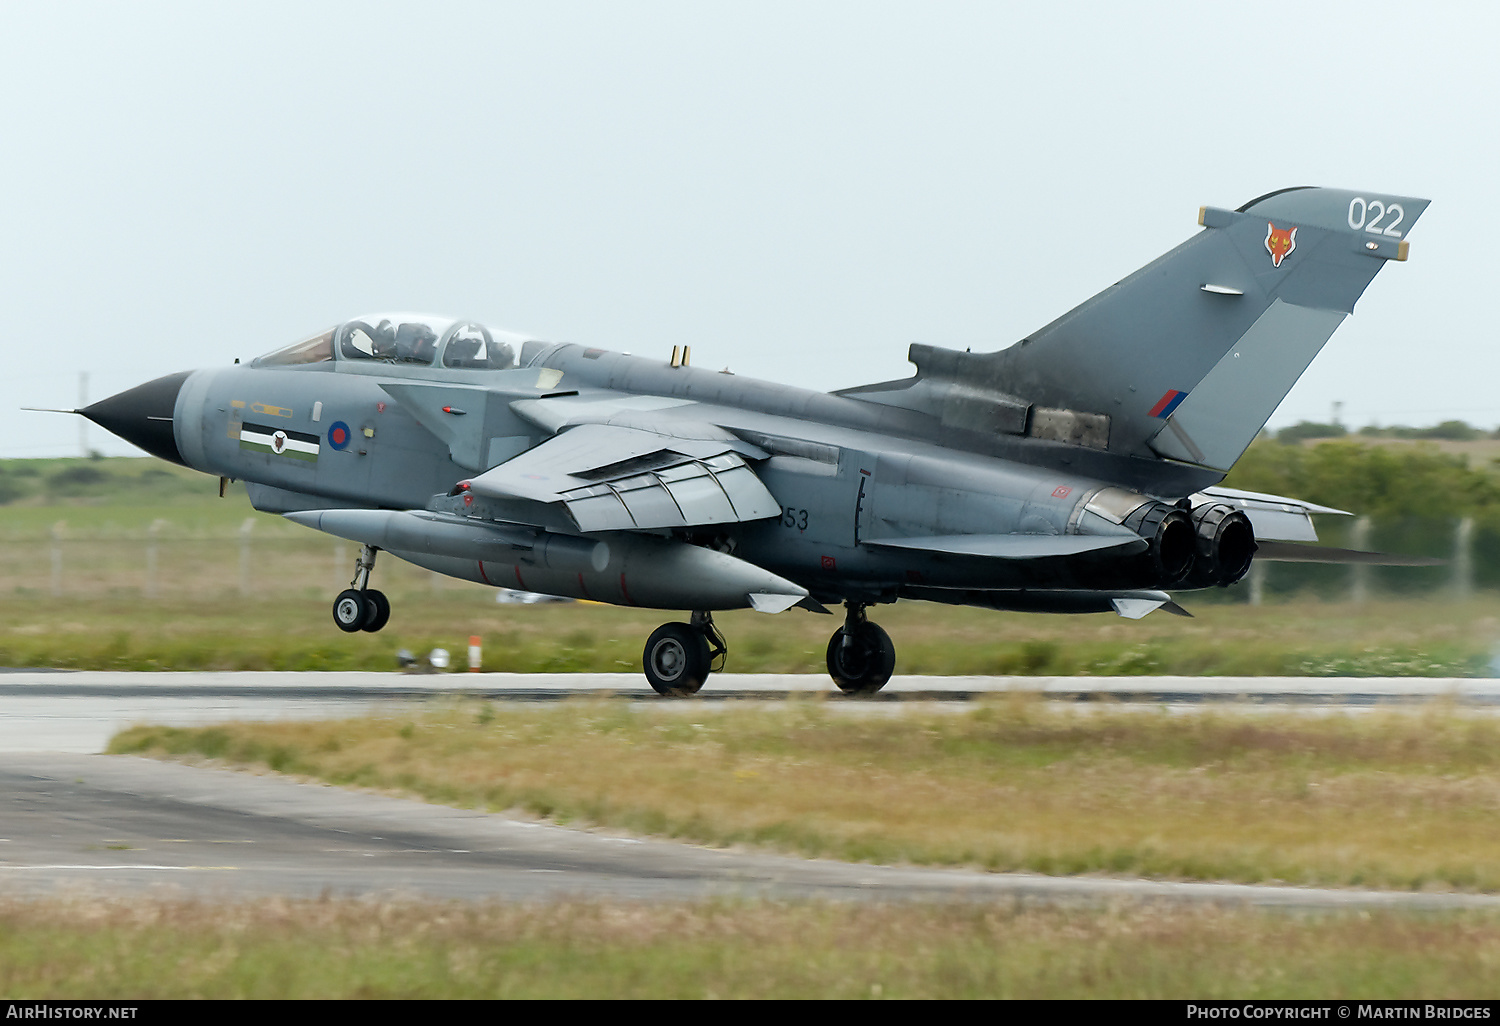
(72, 819)
(78, 711)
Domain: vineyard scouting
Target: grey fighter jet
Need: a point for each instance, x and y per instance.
(1075, 471)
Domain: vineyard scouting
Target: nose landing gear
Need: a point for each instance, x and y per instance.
(362, 608)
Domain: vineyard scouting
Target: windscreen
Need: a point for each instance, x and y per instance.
(313, 350)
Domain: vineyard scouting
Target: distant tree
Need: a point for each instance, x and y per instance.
(1305, 429)
(11, 488)
(1452, 430)
(1380, 481)
(76, 477)
(1448, 430)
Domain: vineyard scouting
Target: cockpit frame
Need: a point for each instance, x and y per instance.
(403, 340)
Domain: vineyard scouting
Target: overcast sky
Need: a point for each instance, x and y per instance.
(796, 190)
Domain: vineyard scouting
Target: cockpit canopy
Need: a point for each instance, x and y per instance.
(409, 339)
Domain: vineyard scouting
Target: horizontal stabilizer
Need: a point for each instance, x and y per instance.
(1288, 552)
(1273, 517)
(1014, 546)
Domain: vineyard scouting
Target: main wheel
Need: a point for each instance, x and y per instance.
(349, 610)
(867, 663)
(676, 659)
(377, 611)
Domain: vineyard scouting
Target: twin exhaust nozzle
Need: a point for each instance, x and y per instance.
(1211, 545)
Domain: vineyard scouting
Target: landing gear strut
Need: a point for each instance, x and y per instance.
(361, 608)
(861, 657)
(680, 656)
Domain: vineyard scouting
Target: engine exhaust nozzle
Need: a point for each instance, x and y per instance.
(1169, 531)
(1224, 543)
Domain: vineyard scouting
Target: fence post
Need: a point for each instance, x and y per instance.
(1463, 559)
(1257, 581)
(245, 529)
(57, 569)
(1359, 573)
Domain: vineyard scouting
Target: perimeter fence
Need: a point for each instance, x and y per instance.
(266, 557)
(261, 559)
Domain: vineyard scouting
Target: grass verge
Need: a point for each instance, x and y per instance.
(1404, 800)
(347, 949)
(292, 630)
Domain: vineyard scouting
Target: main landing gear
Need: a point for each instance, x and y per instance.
(861, 657)
(362, 608)
(680, 656)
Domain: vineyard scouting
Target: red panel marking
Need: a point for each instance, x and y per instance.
(625, 591)
(828, 563)
(1061, 492)
(1164, 402)
(484, 576)
(518, 578)
(583, 587)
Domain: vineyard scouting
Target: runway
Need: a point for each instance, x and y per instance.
(66, 711)
(74, 819)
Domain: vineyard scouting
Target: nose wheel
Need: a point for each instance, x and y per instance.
(362, 608)
(861, 656)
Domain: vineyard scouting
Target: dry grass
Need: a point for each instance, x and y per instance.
(1401, 800)
(92, 948)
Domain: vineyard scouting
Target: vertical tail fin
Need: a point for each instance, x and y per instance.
(1188, 357)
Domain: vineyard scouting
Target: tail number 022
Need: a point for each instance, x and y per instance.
(1368, 214)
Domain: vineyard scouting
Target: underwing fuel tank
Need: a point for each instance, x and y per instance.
(628, 569)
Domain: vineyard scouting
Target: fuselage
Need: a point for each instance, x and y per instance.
(852, 479)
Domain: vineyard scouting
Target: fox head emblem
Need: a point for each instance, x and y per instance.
(1279, 243)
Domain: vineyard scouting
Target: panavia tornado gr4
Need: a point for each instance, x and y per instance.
(1074, 471)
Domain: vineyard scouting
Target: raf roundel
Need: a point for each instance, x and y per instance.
(339, 435)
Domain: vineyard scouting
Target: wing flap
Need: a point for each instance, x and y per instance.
(612, 478)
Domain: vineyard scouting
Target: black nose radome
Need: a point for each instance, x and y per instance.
(143, 415)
